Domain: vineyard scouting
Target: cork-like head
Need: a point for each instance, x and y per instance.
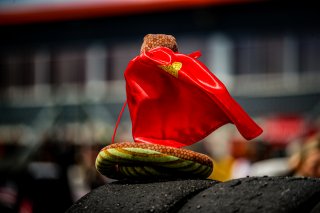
(151, 41)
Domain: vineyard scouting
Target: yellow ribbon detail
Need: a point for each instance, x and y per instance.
(172, 69)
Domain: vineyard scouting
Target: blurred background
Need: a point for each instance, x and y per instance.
(62, 86)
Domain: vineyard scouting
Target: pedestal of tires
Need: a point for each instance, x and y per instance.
(252, 194)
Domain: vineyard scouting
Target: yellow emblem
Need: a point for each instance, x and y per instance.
(173, 68)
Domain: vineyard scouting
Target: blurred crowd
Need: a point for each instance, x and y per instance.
(297, 157)
(46, 177)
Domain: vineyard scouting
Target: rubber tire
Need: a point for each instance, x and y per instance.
(253, 194)
(134, 196)
(263, 194)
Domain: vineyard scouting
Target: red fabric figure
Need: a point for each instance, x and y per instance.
(174, 100)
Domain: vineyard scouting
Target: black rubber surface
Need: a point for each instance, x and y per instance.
(264, 194)
(253, 194)
(130, 196)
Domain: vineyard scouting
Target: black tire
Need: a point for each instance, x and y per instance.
(133, 196)
(249, 195)
(263, 194)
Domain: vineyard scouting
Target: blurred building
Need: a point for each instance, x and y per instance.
(66, 61)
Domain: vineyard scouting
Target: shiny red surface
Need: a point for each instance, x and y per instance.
(179, 111)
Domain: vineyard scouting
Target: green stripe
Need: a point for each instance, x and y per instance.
(131, 171)
(177, 164)
(152, 163)
(207, 172)
(124, 171)
(201, 169)
(142, 151)
(151, 170)
(108, 156)
(190, 168)
(103, 164)
(140, 171)
(122, 155)
(204, 173)
(101, 160)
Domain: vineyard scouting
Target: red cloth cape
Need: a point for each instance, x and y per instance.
(175, 100)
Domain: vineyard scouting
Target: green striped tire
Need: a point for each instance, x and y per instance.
(138, 160)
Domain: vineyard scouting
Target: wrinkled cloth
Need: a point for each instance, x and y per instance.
(175, 100)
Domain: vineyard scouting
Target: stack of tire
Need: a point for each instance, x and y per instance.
(251, 194)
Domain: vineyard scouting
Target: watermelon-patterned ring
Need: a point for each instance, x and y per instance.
(139, 160)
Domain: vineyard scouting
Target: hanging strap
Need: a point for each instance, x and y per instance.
(118, 121)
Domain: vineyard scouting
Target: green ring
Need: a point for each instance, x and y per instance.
(120, 163)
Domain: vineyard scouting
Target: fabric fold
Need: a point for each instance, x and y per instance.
(175, 100)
